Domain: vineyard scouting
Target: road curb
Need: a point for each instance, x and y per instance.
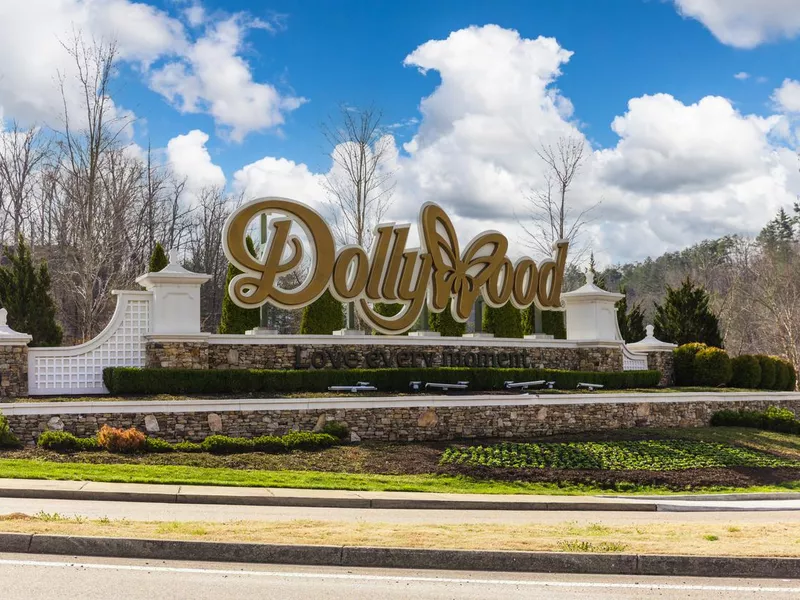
(323, 502)
(404, 558)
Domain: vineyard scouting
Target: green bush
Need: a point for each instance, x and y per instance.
(323, 316)
(337, 430)
(7, 438)
(790, 385)
(503, 322)
(767, 372)
(234, 318)
(303, 440)
(772, 419)
(187, 447)
(130, 380)
(684, 362)
(745, 371)
(712, 367)
(269, 443)
(158, 259)
(782, 374)
(445, 324)
(152, 444)
(222, 444)
(63, 441)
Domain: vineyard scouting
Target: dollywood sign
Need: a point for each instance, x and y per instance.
(436, 273)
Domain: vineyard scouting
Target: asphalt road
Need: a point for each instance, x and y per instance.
(25, 576)
(152, 511)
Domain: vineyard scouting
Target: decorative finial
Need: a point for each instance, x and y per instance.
(173, 257)
(3, 317)
(589, 277)
(650, 329)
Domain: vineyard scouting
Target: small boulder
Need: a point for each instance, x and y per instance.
(354, 437)
(214, 422)
(55, 424)
(151, 424)
(428, 418)
(320, 424)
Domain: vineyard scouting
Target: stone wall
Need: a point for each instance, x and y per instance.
(366, 356)
(13, 371)
(418, 423)
(664, 362)
(177, 355)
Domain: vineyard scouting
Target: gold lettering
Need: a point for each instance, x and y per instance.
(438, 273)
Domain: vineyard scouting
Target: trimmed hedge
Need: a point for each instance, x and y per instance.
(772, 419)
(767, 372)
(746, 372)
(62, 441)
(684, 362)
(129, 380)
(712, 367)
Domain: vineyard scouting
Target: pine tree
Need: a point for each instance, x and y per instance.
(445, 324)
(599, 279)
(779, 232)
(323, 316)
(25, 294)
(631, 323)
(234, 319)
(505, 322)
(685, 317)
(158, 259)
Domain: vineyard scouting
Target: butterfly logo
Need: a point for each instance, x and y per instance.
(456, 275)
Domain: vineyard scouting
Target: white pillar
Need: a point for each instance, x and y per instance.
(176, 299)
(591, 312)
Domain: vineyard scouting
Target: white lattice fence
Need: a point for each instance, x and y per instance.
(79, 369)
(633, 362)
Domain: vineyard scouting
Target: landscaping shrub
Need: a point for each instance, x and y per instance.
(63, 441)
(782, 373)
(772, 419)
(712, 367)
(745, 372)
(324, 315)
(152, 444)
(187, 447)
(222, 444)
(303, 440)
(792, 377)
(503, 322)
(767, 371)
(126, 441)
(7, 438)
(129, 380)
(684, 362)
(337, 430)
(445, 324)
(269, 443)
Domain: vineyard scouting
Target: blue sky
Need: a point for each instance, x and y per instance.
(352, 52)
(233, 93)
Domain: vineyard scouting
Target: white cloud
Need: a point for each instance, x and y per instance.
(787, 97)
(204, 74)
(745, 23)
(271, 176)
(680, 173)
(189, 158)
(742, 75)
(211, 77)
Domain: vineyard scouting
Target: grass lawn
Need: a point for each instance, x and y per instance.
(644, 461)
(726, 537)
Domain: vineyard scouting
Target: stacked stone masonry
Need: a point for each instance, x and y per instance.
(326, 356)
(419, 423)
(177, 355)
(13, 371)
(663, 362)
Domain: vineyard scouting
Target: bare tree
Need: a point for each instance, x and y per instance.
(21, 153)
(551, 217)
(360, 184)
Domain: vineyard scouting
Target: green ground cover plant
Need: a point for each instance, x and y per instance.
(638, 455)
(771, 419)
(129, 380)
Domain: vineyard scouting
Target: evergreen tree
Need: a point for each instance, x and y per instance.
(324, 316)
(779, 232)
(158, 259)
(234, 319)
(25, 294)
(386, 309)
(505, 322)
(599, 278)
(552, 322)
(631, 323)
(445, 324)
(685, 317)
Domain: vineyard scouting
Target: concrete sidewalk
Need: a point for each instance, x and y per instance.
(195, 494)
